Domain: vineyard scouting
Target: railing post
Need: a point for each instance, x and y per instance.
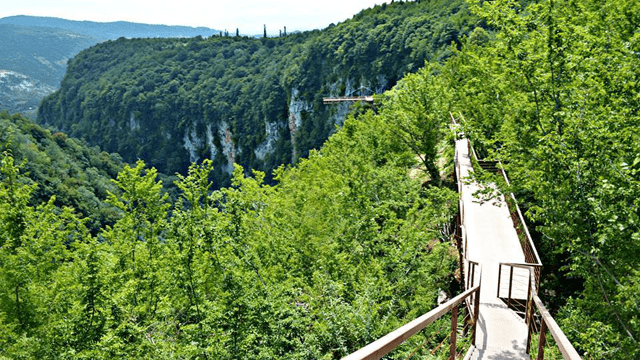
(453, 349)
(473, 275)
(510, 286)
(466, 279)
(543, 339)
(528, 295)
(529, 318)
(476, 311)
(499, 275)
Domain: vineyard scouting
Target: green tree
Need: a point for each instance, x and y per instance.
(417, 109)
(554, 97)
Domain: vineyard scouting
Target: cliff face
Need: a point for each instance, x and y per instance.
(216, 140)
(296, 108)
(255, 102)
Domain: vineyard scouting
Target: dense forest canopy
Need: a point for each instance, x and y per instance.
(35, 51)
(255, 102)
(344, 246)
(63, 168)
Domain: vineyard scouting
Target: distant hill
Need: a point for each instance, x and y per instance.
(40, 52)
(240, 100)
(33, 61)
(110, 30)
(34, 52)
(21, 93)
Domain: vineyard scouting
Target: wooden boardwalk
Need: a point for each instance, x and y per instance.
(491, 239)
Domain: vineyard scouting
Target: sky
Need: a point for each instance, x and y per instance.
(249, 16)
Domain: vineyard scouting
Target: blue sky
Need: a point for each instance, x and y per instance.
(247, 15)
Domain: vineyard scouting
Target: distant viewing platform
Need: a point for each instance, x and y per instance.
(348, 98)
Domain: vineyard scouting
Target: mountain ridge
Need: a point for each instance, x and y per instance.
(233, 99)
(110, 30)
(40, 47)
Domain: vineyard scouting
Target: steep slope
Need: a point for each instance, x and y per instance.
(256, 102)
(63, 168)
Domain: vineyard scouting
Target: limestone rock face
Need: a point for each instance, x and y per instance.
(272, 129)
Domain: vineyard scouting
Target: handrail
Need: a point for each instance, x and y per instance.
(547, 322)
(534, 265)
(347, 98)
(520, 265)
(522, 222)
(529, 250)
(392, 340)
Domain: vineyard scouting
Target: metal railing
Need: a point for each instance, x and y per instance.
(537, 317)
(535, 313)
(528, 248)
(391, 341)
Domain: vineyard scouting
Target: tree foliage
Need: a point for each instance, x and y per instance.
(54, 165)
(172, 102)
(342, 249)
(552, 91)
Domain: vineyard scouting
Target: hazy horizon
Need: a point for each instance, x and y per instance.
(249, 16)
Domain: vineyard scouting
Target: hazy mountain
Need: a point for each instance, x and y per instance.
(21, 93)
(110, 30)
(40, 52)
(33, 61)
(34, 52)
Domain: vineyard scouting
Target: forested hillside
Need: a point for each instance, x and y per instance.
(61, 169)
(254, 102)
(344, 248)
(34, 52)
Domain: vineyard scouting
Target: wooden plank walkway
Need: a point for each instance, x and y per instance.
(491, 239)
